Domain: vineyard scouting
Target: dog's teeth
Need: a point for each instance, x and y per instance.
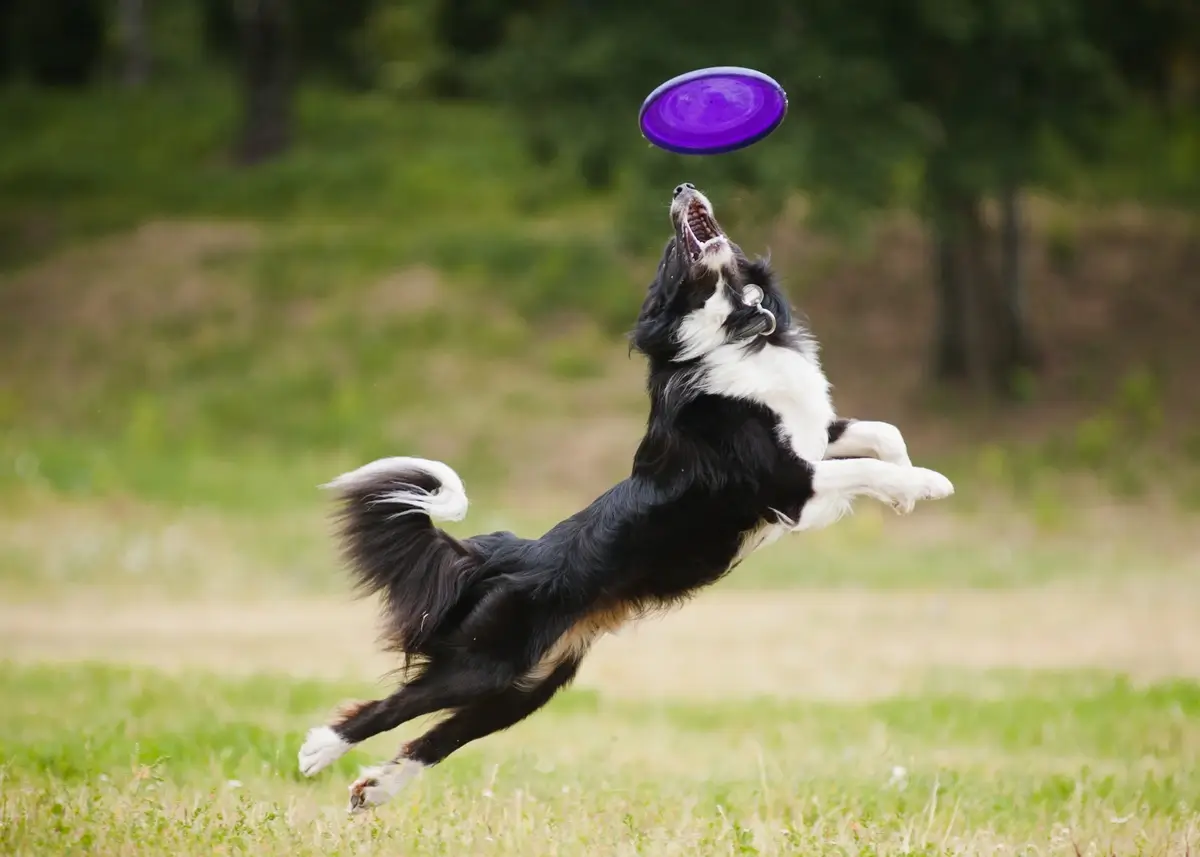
(702, 227)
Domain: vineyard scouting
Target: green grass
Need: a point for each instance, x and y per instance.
(106, 761)
(371, 184)
(115, 157)
(312, 307)
(268, 529)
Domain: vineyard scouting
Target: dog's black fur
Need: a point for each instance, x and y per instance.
(493, 625)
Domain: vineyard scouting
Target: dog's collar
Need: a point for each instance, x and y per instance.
(752, 296)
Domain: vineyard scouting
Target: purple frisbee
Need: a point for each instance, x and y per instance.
(713, 110)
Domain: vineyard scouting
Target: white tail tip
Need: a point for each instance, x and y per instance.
(447, 502)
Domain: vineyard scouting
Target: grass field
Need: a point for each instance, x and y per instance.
(1049, 705)
(187, 350)
(112, 760)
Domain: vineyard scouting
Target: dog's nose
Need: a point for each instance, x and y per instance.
(681, 188)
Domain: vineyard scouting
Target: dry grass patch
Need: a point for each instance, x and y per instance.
(842, 645)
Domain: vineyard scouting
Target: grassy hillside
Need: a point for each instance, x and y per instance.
(406, 280)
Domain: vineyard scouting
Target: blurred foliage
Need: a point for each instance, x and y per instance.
(497, 143)
(327, 35)
(302, 339)
(940, 105)
(971, 91)
(58, 43)
(399, 47)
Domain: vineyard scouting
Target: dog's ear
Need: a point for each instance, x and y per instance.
(653, 333)
(665, 284)
(759, 271)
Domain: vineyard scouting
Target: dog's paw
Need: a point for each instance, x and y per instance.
(366, 791)
(322, 747)
(381, 783)
(920, 484)
(890, 445)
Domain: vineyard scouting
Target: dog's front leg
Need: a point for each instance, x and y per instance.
(867, 439)
(836, 484)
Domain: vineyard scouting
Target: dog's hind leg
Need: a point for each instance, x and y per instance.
(469, 723)
(443, 684)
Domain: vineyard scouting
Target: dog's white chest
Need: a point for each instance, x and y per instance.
(788, 382)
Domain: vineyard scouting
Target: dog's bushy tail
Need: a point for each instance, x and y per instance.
(386, 513)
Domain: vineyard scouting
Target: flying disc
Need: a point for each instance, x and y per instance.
(713, 110)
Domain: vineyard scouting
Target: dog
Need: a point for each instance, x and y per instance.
(742, 445)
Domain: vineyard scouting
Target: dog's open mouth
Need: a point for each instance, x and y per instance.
(701, 226)
(699, 229)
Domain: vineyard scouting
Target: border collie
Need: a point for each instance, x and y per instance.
(742, 445)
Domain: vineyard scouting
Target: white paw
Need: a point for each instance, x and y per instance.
(890, 445)
(920, 484)
(322, 747)
(381, 783)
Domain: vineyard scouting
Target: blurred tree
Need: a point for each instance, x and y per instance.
(400, 46)
(268, 79)
(134, 48)
(8, 60)
(992, 77)
(963, 91)
(475, 27)
(469, 29)
(326, 38)
(1157, 50)
(54, 42)
(274, 42)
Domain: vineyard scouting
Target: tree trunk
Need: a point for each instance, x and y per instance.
(8, 59)
(982, 334)
(977, 286)
(267, 80)
(136, 69)
(950, 355)
(956, 338)
(1015, 350)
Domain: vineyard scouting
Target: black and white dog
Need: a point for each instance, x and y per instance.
(741, 446)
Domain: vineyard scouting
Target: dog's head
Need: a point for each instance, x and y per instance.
(707, 293)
